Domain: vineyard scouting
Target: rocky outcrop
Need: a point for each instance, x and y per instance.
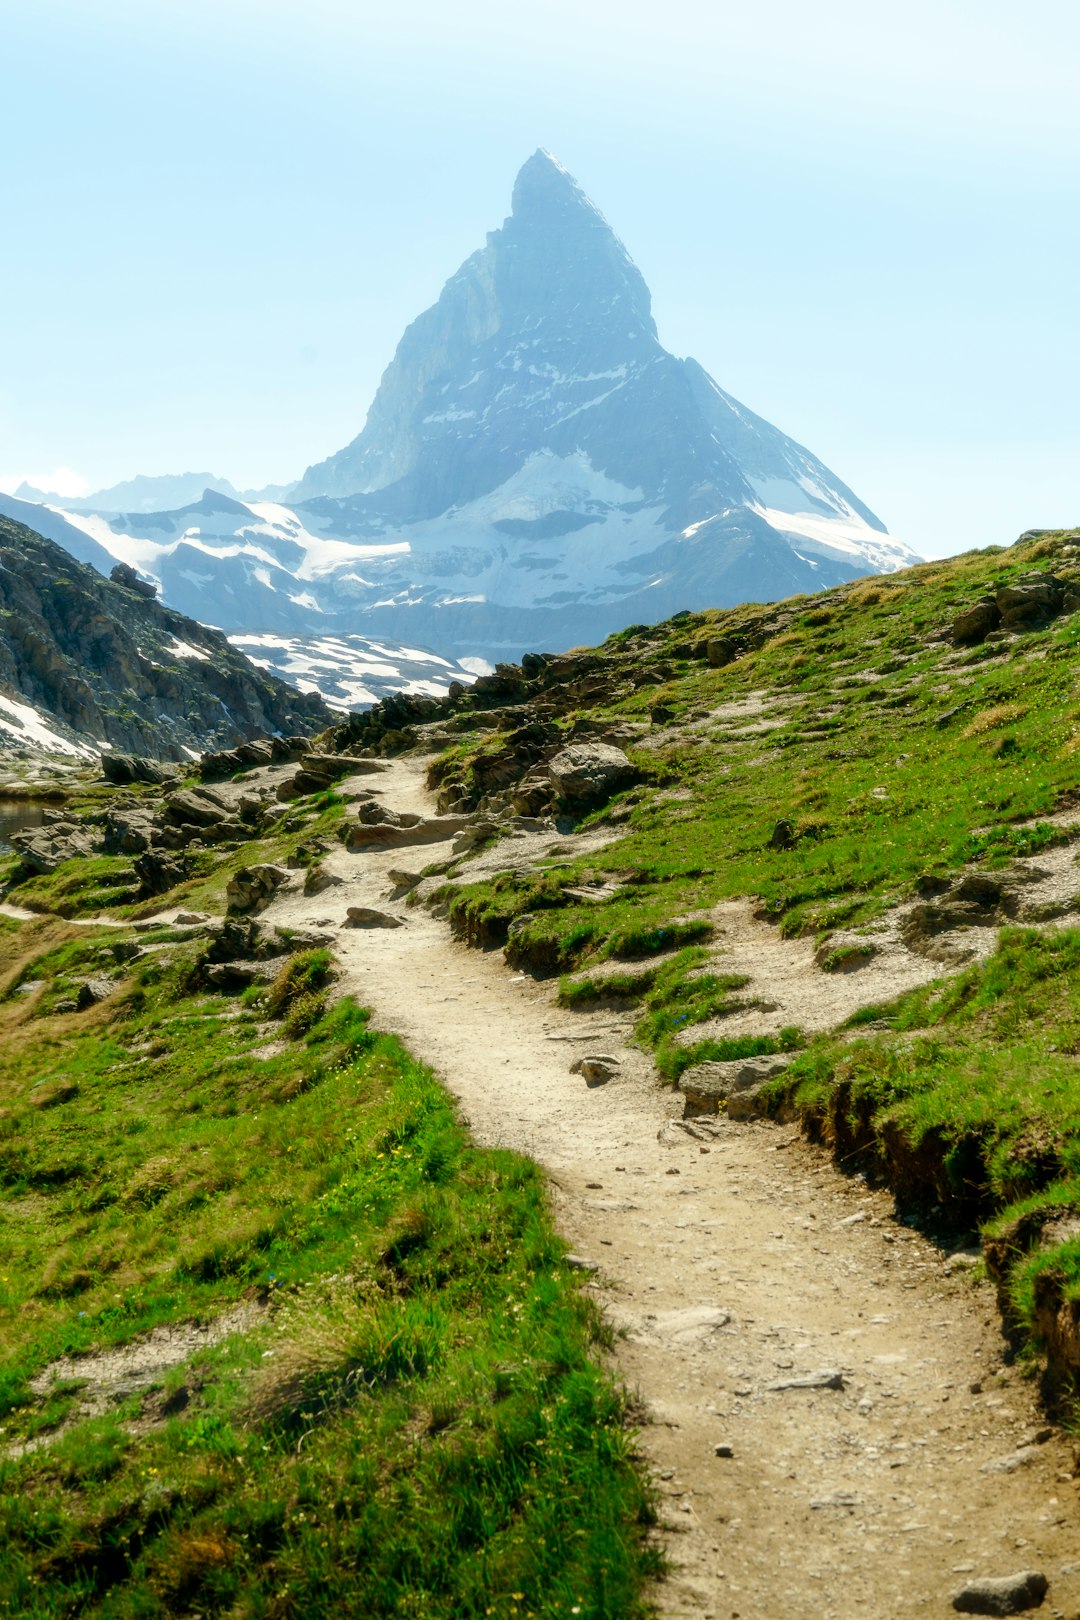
(99, 661)
(1029, 604)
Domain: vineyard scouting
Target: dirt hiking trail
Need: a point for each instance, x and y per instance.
(882, 1454)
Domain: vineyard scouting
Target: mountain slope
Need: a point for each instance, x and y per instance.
(88, 663)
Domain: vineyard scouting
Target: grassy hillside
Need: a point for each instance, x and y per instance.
(330, 1360)
(833, 757)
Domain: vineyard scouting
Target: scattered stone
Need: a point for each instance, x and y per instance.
(1004, 1594)
(157, 873)
(818, 1380)
(1010, 1464)
(722, 1449)
(368, 917)
(577, 1262)
(189, 919)
(596, 1071)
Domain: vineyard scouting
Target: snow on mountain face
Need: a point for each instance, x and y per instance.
(351, 672)
(535, 470)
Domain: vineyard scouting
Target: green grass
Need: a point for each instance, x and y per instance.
(881, 781)
(414, 1419)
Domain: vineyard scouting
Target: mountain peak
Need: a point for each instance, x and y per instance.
(542, 181)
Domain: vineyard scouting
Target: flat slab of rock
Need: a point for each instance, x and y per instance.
(826, 1379)
(368, 917)
(429, 830)
(734, 1086)
(1002, 1594)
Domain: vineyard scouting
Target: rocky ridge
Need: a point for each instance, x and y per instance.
(91, 664)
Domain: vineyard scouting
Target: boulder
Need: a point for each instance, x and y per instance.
(589, 773)
(157, 873)
(251, 888)
(122, 769)
(335, 765)
(124, 574)
(91, 991)
(43, 849)
(734, 1085)
(319, 879)
(128, 831)
(239, 975)
(720, 651)
(596, 1070)
(197, 807)
(973, 624)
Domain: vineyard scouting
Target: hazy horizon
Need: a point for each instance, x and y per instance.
(863, 227)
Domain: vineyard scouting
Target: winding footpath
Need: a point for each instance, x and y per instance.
(875, 1451)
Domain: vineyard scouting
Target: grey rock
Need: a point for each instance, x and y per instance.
(734, 1085)
(596, 1070)
(369, 917)
(432, 830)
(252, 888)
(723, 1449)
(577, 1262)
(1012, 1462)
(1004, 1594)
(589, 773)
(43, 849)
(91, 991)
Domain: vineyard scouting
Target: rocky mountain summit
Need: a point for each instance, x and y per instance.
(536, 469)
(90, 664)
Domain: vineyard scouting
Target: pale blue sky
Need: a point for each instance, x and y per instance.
(862, 220)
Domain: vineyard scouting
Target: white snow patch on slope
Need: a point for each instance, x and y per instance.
(184, 649)
(22, 723)
(849, 538)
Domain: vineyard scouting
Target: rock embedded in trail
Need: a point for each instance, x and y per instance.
(429, 830)
(736, 1085)
(827, 1379)
(596, 1070)
(1005, 1594)
(368, 917)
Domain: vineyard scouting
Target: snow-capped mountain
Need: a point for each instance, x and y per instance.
(535, 470)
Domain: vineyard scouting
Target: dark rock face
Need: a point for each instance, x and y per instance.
(98, 658)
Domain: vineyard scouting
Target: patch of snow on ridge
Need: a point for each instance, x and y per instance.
(184, 649)
(21, 723)
(840, 537)
(350, 671)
